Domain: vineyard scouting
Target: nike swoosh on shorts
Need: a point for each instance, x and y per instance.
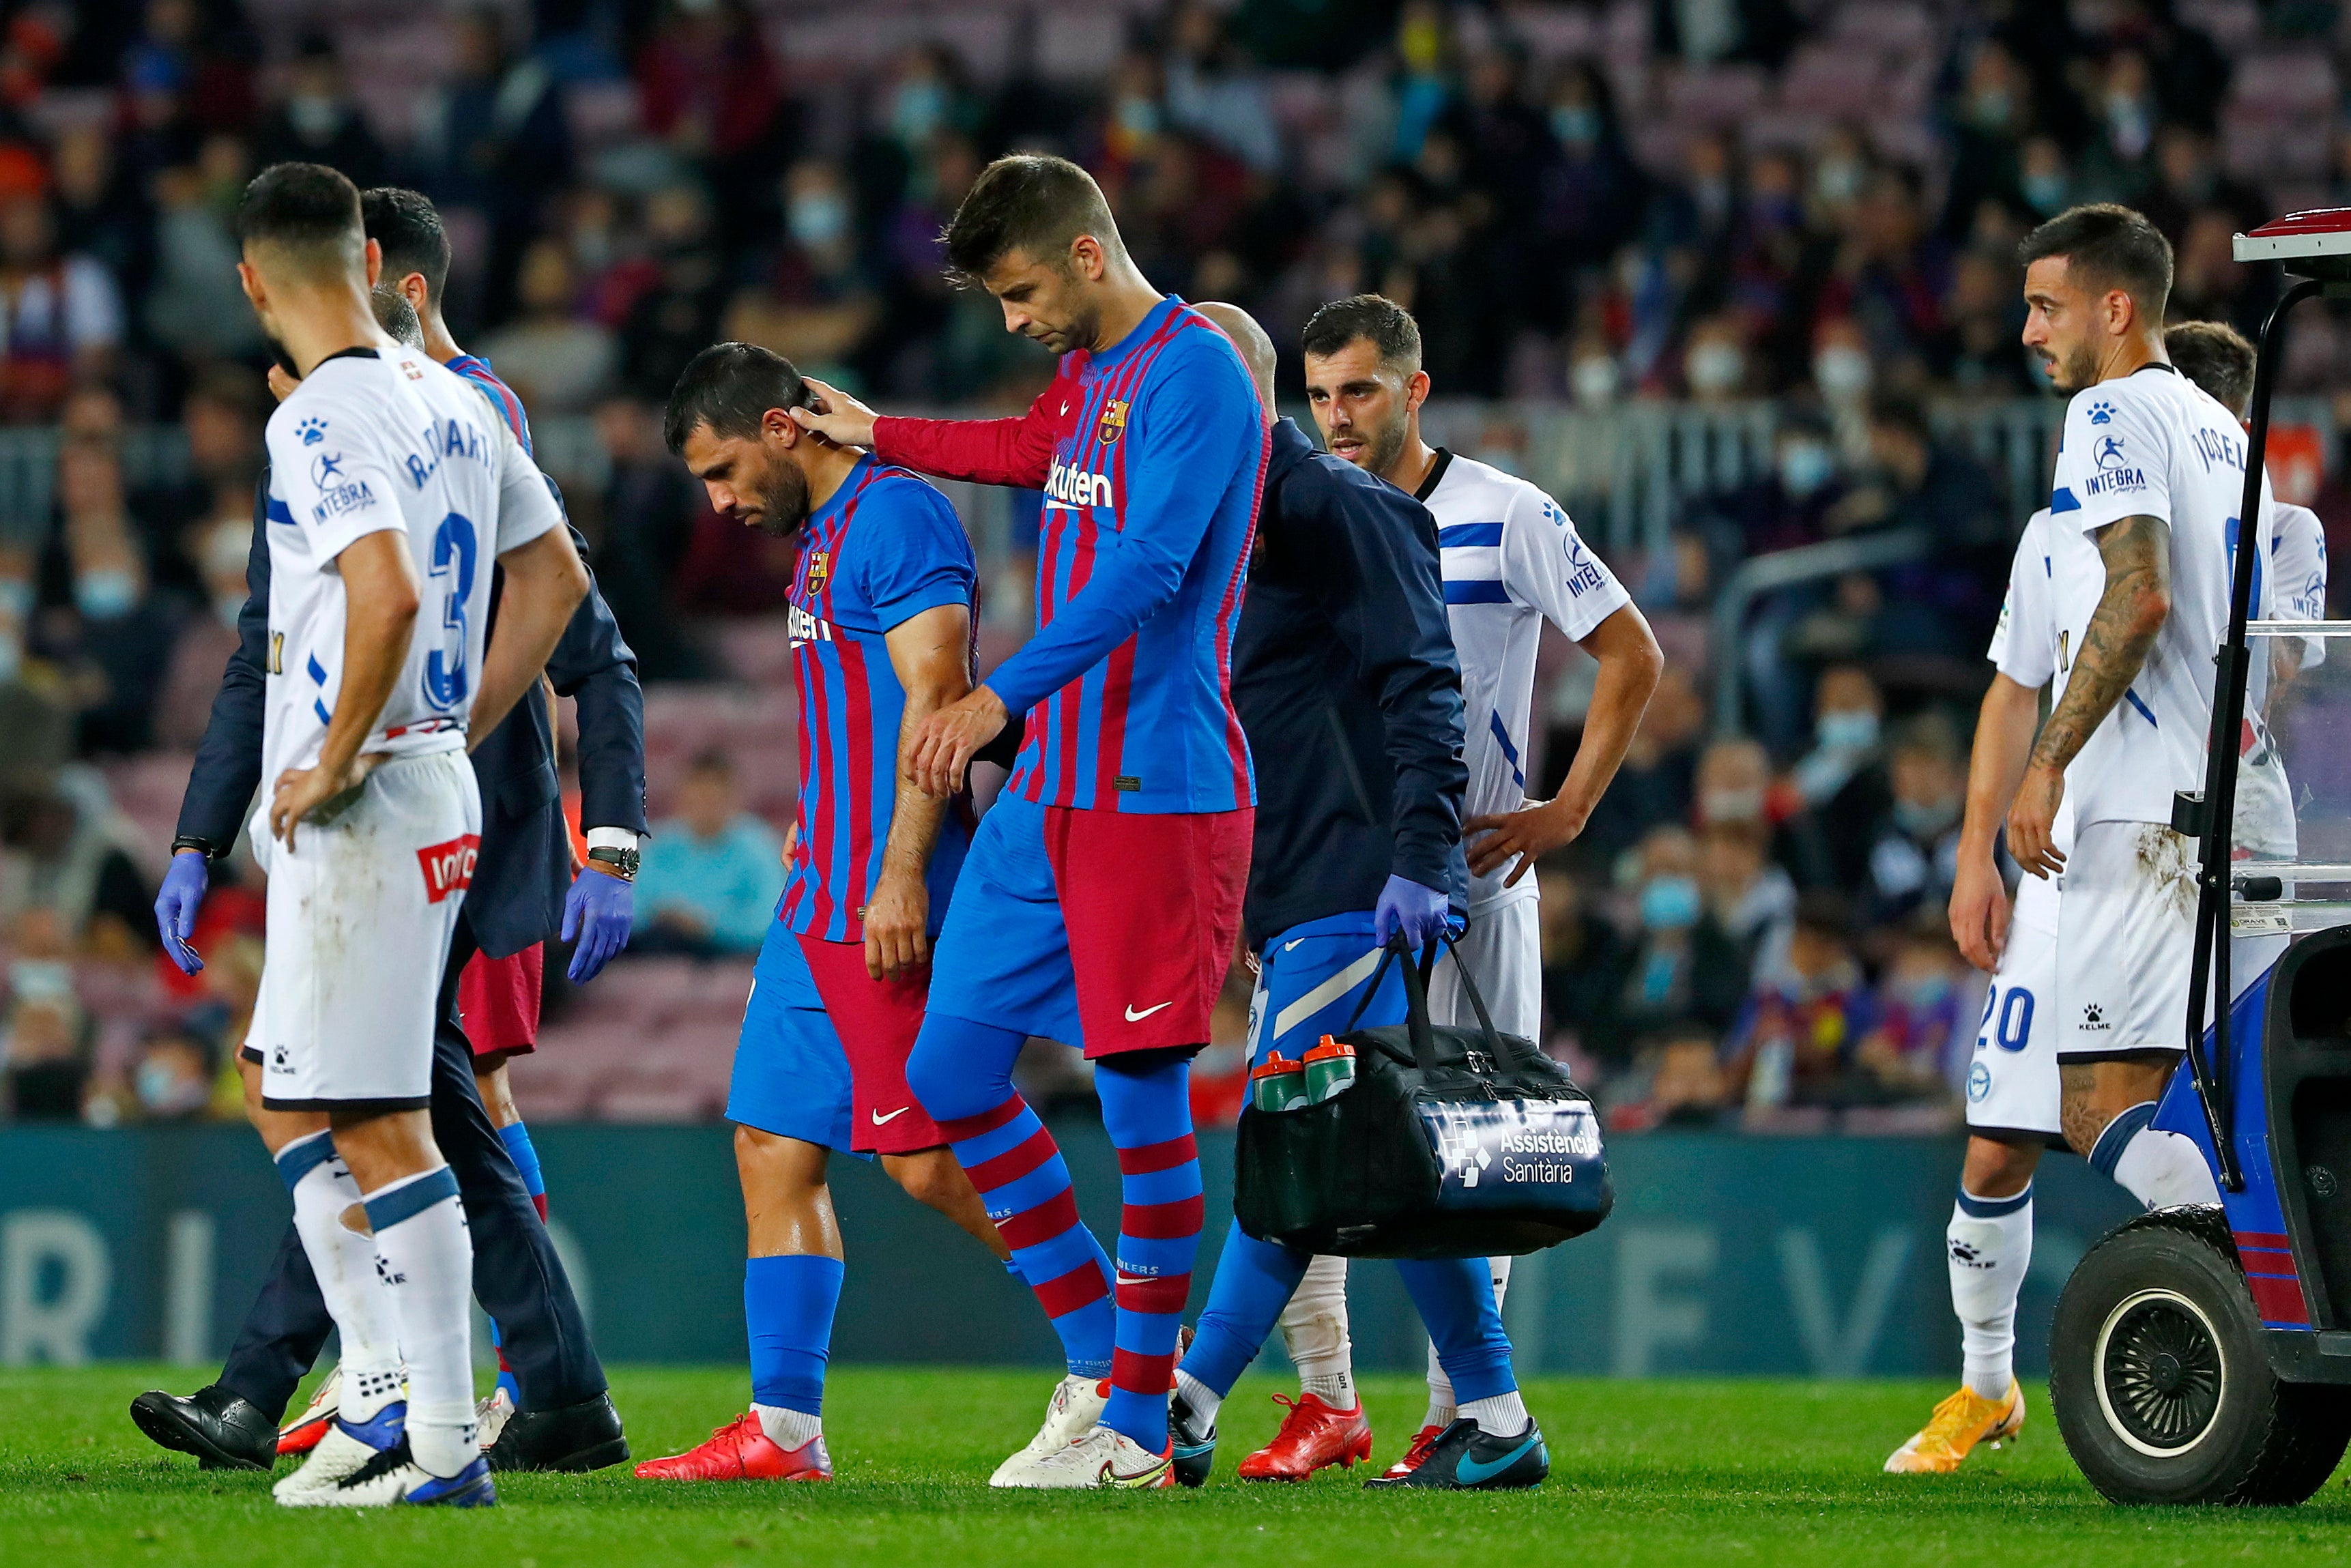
(881, 1121)
(1134, 1017)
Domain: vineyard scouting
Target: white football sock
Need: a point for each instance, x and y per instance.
(1314, 1333)
(2160, 1169)
(1203, 1400)
(1441, 1411)
(344, 1261)
(427, 1262)
(1503, 1416)
(1988, 1247)
(787, 1429)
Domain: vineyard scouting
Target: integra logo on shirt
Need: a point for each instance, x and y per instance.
(2107, 481)
(1076, 487)
(341, 499)
(805, 627)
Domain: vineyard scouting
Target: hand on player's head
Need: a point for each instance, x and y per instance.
(837, 416)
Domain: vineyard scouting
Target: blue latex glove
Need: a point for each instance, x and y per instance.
(1406, 907)
(175, 908)
(597, 914)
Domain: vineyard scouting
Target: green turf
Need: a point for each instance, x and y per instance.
(1661, 1472)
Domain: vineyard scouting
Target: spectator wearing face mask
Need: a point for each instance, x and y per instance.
(206, 639)
(173, 1079)
(1714, 362)
(1684, 968)
(1919, 1048)
(1736, 791)
(1841, 781)
(1794, 1041)
(109, 638)
(1915, 850)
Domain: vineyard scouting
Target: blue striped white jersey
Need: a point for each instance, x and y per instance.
(371, 441)
(2151, 444)
(1512, 560)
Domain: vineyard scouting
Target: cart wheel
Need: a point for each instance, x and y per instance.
(2161, 1386)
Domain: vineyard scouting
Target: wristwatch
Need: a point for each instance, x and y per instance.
(621, 863)
(203, 847)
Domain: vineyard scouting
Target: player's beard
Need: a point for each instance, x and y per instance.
(277, 352)
(2077, 370)
(783, 500)
(1383, 444)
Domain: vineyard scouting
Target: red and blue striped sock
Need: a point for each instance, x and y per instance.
(1018, 1170)
(1149, 1118)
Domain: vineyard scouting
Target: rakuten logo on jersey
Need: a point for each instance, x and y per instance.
(1075, 488)
(449, 867)
(805, 627)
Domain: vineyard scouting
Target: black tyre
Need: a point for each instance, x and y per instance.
(2162, 1386)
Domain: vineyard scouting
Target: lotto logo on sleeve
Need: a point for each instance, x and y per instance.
(449, 867)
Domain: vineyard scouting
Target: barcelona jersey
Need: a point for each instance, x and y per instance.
(882, 549)
(1150, 504)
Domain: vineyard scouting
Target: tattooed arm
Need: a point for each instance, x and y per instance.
(2138, 553)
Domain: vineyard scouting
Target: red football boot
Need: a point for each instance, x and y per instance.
(1422, 1441)
(740, 1451)
(1312, 1436)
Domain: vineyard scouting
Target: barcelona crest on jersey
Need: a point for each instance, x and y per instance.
(1113, 421)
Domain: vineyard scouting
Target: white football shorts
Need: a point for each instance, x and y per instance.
(1504, 951)
(2127, 940)
(360, 913)
(2012, 1079)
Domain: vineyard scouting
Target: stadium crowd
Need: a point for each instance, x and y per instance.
(1709, 200)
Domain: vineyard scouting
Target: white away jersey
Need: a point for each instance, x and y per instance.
(377, 440)
(1511, 561)
(2150, 445)
(2024, 649)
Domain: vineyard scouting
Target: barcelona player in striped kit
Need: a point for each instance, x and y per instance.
(1102, 899)
(882, 636)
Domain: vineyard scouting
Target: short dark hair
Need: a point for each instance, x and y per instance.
(1388, 325)
(307, 209)
(2114, 245)
(408, 228)
(395, 315)
(730, 387)
(1030, 201)
(2216, 356)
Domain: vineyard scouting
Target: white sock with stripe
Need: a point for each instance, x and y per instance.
(1988, 1247)
(427, 1265)
(343, 1260)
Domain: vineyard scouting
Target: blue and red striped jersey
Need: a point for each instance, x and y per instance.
(1150, 505)
(882, 549)
(476, 369)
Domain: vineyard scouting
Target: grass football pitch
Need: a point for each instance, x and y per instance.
(1661, 1472)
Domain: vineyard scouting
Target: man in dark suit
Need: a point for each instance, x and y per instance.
(519, 899)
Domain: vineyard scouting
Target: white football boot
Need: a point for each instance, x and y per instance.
(1074, 1410)
(343, 1453)
(491, 1415)
(1105, 1459)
